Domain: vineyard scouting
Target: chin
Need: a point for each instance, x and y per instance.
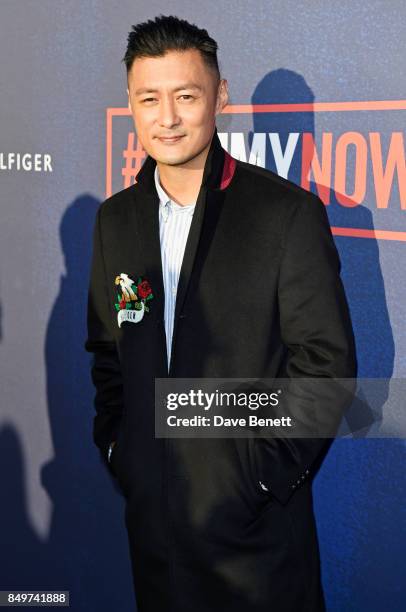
(175, 159)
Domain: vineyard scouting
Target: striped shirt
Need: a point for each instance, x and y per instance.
(174, 226)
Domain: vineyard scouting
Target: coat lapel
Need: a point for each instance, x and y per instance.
(217, 174)
(211, 177)
(147, 214)
(146, 222)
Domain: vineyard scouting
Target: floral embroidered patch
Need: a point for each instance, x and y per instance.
(134, 299)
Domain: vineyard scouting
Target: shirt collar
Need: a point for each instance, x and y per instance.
(165, 202)
(164, 199)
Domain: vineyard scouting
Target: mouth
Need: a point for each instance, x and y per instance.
(170, 140)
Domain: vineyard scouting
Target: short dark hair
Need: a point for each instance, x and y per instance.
(154, 38)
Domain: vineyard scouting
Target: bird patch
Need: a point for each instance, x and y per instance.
(134, 299)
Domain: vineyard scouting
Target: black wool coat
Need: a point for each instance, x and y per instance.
(259, 296)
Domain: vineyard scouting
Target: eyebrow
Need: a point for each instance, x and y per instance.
(143, 90)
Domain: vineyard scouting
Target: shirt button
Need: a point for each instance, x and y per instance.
(173, 290)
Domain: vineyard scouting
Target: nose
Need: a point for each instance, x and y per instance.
(168, 116)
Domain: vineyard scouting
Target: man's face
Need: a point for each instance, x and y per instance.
(175, 96)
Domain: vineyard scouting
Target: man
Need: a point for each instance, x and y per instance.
(209, 267)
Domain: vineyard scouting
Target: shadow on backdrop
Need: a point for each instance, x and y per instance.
(86, 551)
(357, 491)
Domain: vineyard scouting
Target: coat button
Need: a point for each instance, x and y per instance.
(293, 486)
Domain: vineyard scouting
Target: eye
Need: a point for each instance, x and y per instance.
(147, 99)
(186, 96)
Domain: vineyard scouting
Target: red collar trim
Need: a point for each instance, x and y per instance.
(229, 166)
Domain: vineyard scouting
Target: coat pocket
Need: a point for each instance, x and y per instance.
(116, 461)
(113, 458)
(252, 450)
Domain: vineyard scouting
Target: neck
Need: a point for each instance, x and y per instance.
(182, 183)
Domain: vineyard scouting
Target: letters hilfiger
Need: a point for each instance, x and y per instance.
(134, 298)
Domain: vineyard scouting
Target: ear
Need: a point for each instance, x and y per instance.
(129, 103)
(222, 96)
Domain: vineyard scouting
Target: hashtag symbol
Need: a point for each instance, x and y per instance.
(133, 160)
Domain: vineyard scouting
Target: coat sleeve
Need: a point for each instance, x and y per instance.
(105, 368)
(317, 333)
